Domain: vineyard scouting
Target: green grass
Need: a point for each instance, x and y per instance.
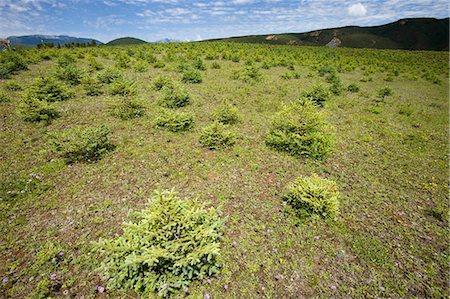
(390, 164)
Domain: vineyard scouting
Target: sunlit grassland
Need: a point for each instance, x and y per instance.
(390, 162)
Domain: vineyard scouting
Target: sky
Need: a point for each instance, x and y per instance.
(185, 20)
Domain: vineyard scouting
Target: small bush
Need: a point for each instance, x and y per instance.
(10, 63)
(215, 65)
(12, 86)
(174, 121)
(217, 136)
(127, 108)
(300, 129)
(94, 65)
(159, 64)
(317, 94)
(198, 64)
(161, 81)
(32, 109)
(108, 76)
(385, 92)
(227, 114)
(248, 74)
(313, 196)
(337, 88)
(77, 144)
(3, 97)
(165, 247)
(353, 87)
(48, 89)
(324, 70)
(174, 97)
(92, 86)
(123, 87)
(70, 74)
(65, 60)
(192, 76)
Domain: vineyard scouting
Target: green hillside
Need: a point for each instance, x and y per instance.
(405, 34)
(126, 41)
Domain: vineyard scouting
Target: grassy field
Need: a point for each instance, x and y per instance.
(390, 163)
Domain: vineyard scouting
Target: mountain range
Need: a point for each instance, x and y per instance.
(29, 41)
(404, 34)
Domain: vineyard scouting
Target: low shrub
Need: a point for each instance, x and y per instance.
(164, 247)
(327, 69)
(313, 196)
(317, 94)
(77, 144)
(248, 74)
(227, 114)
(353, 87)
(92, 86)
(12, 86)
(198, 64)
(48, 89)
(65, 60)
(174, 121)
(385, 92)
(337, 88)
(159, 64)
(161, 81)
(69, 74)
(11, 62)
(108, 76)
(94, 65)
(3, 97)
(127, 108)
(174, 97)
(301, 129)
(123, 87)
(217, 136)
(32, 109)
(215, 65)
(192, 76)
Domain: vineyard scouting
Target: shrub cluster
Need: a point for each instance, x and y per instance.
(174, 121)
(313, 196)
(192, 75)
(92, 86)
(108, 76)
(353, 87)
(123, 87)
(127, 108)
(248, 74)
(301, 129)
(174, 97)
(217, 136)
(165, 247)
(69, 74)
(161, 81)
(227, 114)
(48, 89)
(77, 144)
(33, 109)
(11, 62)
(317, 94)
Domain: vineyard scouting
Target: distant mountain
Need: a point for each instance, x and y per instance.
(33, 40)
(126, 41)
(405, 34)
(166, 41)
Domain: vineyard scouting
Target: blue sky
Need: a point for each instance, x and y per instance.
(200, 19)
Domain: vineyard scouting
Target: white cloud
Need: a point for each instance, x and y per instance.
(357, 10)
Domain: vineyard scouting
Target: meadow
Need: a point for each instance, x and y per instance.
(88, 135)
